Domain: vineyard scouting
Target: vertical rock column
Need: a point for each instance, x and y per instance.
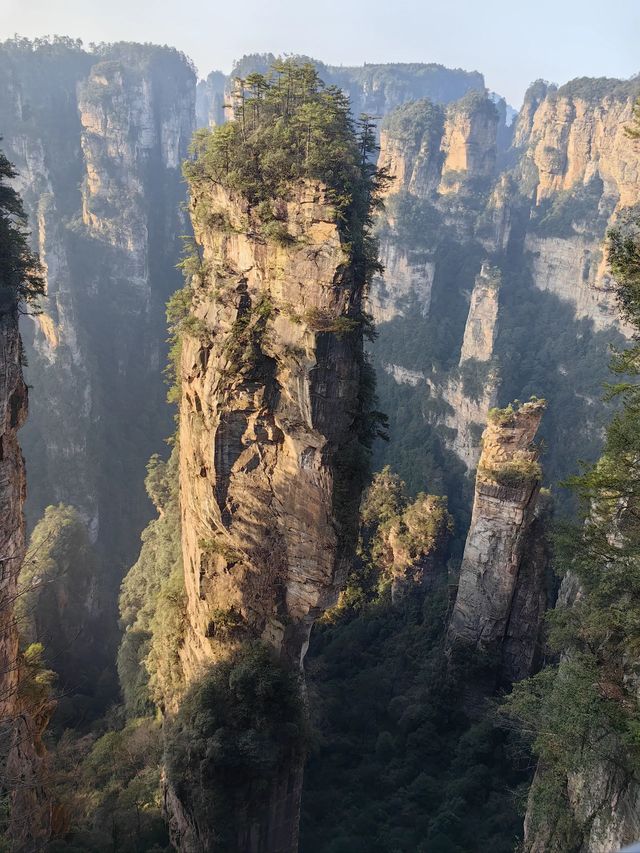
(20, 730)
(270, 371)
(507, 487)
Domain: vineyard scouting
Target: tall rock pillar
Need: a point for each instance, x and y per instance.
(497, 547)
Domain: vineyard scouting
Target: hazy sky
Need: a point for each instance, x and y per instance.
(511, 41)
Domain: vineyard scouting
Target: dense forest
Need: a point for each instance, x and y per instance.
(373, 607)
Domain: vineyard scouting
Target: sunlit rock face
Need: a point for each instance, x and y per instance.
(507, 486)
(270, 378)
(533, 202)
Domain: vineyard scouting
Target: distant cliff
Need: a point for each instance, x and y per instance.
(533, 203)
(98, 140)
(373, 88)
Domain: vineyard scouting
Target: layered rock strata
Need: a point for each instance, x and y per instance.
(21, 722)
(270, 371)
(495, 579)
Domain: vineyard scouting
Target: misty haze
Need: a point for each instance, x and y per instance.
(319, 428)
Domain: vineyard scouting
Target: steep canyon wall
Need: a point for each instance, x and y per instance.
(98, 140)
(533, 203)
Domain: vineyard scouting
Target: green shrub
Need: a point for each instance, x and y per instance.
(501, 417)
(278, 232)
(323, 321)
(514, 473)
(477, 376)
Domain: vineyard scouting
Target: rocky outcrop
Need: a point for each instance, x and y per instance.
(573, 268)
(600, 807)
(536, 201)
(522, 649)
(572, 134)
(416, 543)
(580, 168)
(481, 326)
(466, 395)
(211, 100)
(494, 577)
(460, 412)
(270, 371)
(412, 276)
(469, 143)
(432, 150)
(604, 809)
(21, 721)
(263, 415)
(13, 413)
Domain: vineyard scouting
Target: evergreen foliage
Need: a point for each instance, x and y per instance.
(21, 279)
(288, 126)
(414, 121)
(396, 763)
(107, 790)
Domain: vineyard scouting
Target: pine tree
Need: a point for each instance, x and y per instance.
(21, 279)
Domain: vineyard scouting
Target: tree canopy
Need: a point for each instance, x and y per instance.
(287, 125)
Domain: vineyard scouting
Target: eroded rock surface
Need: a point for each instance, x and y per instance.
(507, 486)
(270, 372)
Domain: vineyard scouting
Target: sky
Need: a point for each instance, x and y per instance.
(512, 42)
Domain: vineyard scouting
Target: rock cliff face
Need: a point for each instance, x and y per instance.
(270, 372)
(98, 141)
(13, 413)
(481, 327)
(576, 154)
(571, 134)
(470, 142)
(22, 754)
(500, 593)
(602, 798)
(603, 808)
(535, 201)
